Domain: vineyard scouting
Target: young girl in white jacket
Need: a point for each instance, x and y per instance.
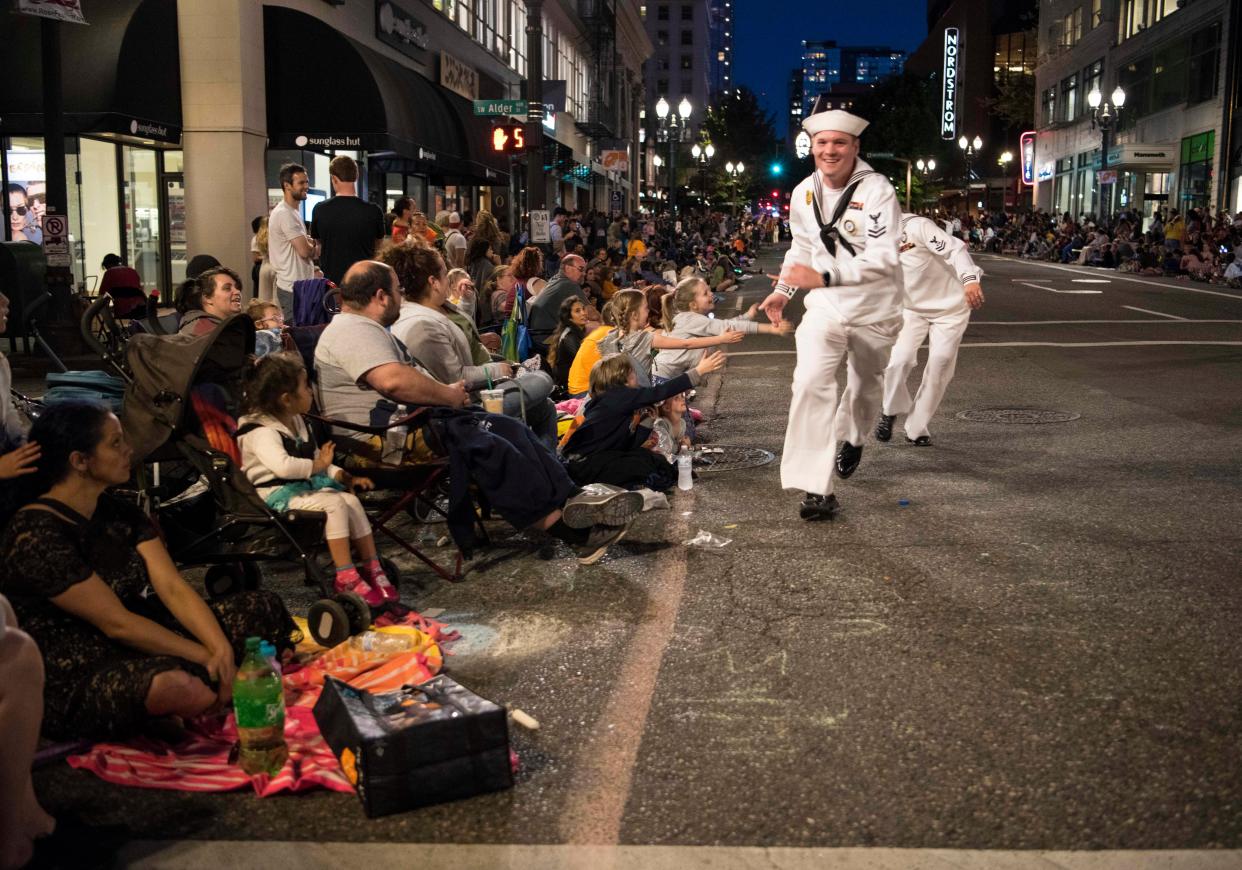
(686, 312)
(290, 471)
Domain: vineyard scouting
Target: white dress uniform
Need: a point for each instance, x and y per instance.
(854, 320)
(936, 265)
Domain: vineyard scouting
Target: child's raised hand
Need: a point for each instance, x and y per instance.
(365, 484)
(751, 312)
(23, 460)
(785, 327)
(323, 458)
(731, 336)
(712, 362)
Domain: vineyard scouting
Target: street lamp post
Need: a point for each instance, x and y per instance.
(970, 147)
(925, 168)
(673, 129)
(1004, 160)
(702, 154)
(1104, 116)
(735, 170)
(657, 162)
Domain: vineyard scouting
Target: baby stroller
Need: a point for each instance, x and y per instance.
(179, 416)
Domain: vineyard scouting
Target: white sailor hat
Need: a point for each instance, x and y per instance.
(823, 118)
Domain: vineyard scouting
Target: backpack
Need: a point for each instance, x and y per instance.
(515, 341)
(315, 301)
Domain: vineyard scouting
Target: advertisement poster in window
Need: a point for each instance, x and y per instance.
(27, 195)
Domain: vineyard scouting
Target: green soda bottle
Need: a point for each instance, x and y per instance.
(259, 704)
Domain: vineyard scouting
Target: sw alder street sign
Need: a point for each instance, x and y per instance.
(500, 107)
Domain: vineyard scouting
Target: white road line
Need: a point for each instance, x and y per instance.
(214, 854)
(1083, 322)
(1158, 313)
(1121, 277)
(1055, 290)
(1038, 344)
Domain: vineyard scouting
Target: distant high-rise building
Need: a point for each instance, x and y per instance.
(720, 59)
(826, 65)
(682, 64)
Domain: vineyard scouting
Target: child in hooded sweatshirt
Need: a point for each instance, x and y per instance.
(685, 317)
(607, 444)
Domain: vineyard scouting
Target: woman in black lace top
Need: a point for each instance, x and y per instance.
(124, 637)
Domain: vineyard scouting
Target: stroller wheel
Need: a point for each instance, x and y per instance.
(228, 579)
(358, 611)
(329, 622)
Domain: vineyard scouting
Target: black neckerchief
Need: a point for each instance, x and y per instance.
(828, 232)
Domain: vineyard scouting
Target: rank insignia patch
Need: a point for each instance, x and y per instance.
(875, 231)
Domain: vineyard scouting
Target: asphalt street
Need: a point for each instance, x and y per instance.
(1024, 637)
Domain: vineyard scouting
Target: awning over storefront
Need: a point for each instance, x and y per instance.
(326, 91)
(122, 72)
(1143, 158)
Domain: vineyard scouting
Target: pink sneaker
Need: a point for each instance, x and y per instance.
(349, 580)
(378, 579)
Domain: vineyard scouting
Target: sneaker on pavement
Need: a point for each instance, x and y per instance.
(601, 505)
(598, 542)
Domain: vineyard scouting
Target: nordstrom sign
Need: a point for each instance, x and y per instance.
(948, 100)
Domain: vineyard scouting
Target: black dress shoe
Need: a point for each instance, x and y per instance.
(921, 441)
(848, 457)
(818, 507)
(884, 429)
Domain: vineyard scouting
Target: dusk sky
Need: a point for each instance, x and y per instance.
(768, 34)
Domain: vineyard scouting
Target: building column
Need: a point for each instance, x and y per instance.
(224, 118)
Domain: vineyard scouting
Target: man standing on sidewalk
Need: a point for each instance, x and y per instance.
(845, 223)
(942, 288)
(290, 250)
(348, 229)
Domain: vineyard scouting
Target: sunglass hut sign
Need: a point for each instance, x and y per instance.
(948, 101)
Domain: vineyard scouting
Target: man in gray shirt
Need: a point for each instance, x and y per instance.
(544, 309)
(365, 377)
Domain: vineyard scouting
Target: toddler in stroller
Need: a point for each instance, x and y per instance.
(281, 458)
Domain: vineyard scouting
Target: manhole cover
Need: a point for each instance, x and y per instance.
(720, 457)
(1026, 416)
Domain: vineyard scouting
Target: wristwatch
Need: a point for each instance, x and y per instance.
(827, 276)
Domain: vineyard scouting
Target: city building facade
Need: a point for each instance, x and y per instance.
(1171, 59)
(974, 50)
(180, 112)
(720, 61)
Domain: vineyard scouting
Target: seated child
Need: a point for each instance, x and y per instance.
(634, 337)
(669, 432)
(268, 319)
(607, 444)
(290, 471)
(685, 317)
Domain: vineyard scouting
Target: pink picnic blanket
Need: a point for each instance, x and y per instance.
(203, 762)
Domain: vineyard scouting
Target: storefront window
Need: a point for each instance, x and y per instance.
(1155, 196)
(98, 197)
(1195, 176)
(141, 209)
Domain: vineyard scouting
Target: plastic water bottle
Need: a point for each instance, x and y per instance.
(685, 474)
(385, 642)
(259, 704)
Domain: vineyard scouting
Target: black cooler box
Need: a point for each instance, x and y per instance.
(422, 745)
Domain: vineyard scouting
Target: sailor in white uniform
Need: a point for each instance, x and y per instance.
(942, 288)
(845, 222)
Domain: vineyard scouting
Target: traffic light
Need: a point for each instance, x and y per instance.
(777, 168)
(508, 138)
